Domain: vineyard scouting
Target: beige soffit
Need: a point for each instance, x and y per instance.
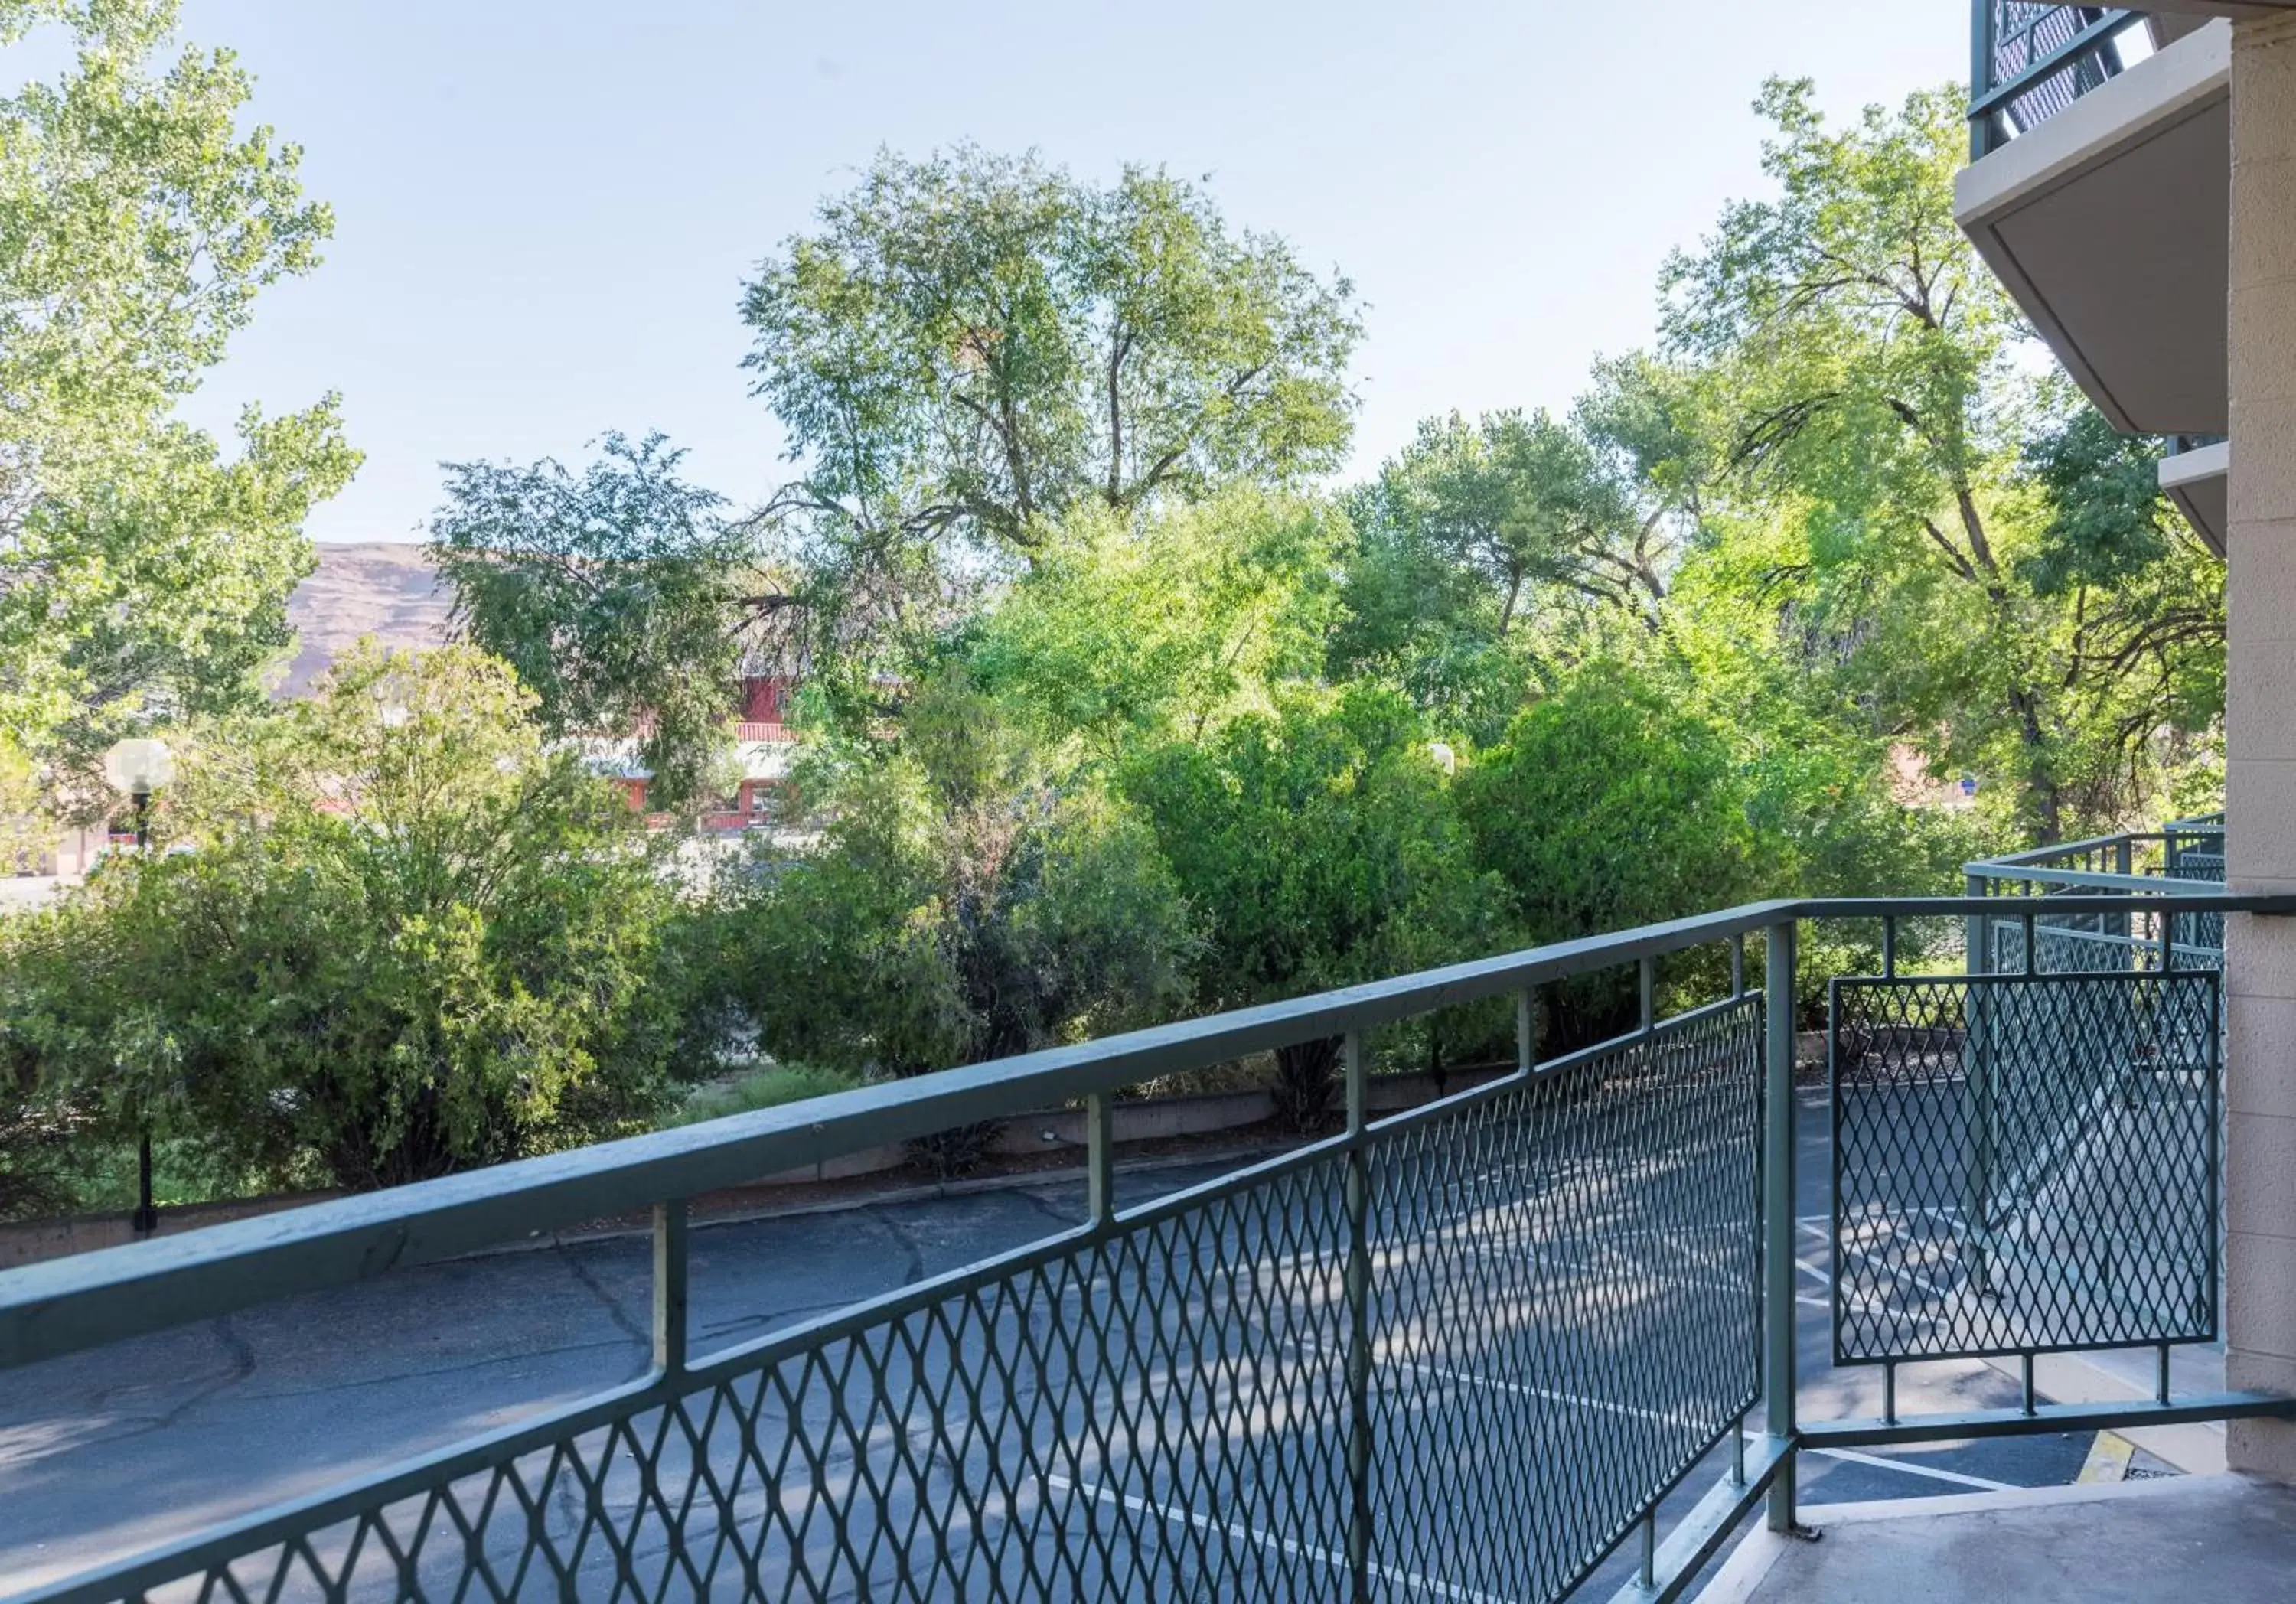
(2200, 482)
(2108, 225)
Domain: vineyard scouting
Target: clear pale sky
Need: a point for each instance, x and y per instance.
(544, 211)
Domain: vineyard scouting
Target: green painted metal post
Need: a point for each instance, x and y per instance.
(1778, 1366)
(1359, 1295)
(1977, 1092)
(669, 1224)
(1100, 1160)
(2124, 864)
(1981, 73)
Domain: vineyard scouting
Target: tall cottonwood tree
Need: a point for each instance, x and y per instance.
(969, 345)
(623, 596)
(1873, 396)
(143, 573)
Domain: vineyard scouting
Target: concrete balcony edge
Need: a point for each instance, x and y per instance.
(1765, 1568)
(2199, 483)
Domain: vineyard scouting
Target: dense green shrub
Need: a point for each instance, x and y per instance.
(958, 908)
(1320, 846)
(1609, 806)
(397, 936)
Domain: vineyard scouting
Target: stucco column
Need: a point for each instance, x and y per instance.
(2260, 731)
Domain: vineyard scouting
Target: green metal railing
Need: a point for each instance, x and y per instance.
(2030, 60)
(2024, 1163)
(2190, 851)
(1466, 1352)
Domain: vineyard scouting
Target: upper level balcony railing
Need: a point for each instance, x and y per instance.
(1464, 1352)
(2190, 850)
(2029, 61)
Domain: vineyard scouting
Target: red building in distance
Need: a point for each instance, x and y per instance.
(764, 744)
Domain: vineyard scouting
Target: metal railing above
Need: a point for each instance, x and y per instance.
(1463, 1352)
(2031, 60)
(2183, 853)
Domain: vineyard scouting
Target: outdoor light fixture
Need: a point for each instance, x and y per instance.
(137, 768)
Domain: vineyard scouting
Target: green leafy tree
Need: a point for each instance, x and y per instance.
(1609, 806)
(1413, 616)
(1869, 381)
(409, 936)
(2145, 641)
(1498, 556)
(971, 345)
(622, 596)
(1134, 630)
(959, 909)
(142, 573)
(1319, 844)
(1523, 500)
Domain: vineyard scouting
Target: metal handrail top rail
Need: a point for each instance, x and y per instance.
(2042, 855)
(64, 1306)
(2163, 888)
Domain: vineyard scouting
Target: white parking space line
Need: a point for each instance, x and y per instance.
(1313, 1554)
(1850, 1456)
(1947, 1210)
(1519, 1389)
(1897, 1272)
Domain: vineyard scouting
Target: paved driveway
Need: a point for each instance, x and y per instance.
(106, 1453)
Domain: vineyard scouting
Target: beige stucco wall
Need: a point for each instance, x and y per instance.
(2260, 720)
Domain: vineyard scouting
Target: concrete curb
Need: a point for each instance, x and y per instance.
(1027, 1136)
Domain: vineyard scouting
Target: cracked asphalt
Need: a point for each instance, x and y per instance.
(104, 1452)
(107, 1453)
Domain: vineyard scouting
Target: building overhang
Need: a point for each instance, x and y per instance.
(2109, 224)
(2198, 481)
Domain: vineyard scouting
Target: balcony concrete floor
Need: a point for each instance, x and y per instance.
(2193, 1537)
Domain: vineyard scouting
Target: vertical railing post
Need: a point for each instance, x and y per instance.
(1100, 1160)
(669, 1265)
(1977, 929)
(1981, 73)
(1358, 1300)
(1778, 1359)
(1977, 1092)
(2124, 864)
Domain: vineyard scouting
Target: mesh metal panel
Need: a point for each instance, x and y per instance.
(2069, 943)
(1568, 1308)
(2025, 32)
(2204, 931)
(2023, 1164)
(1561, 1316)
(1158, 1414)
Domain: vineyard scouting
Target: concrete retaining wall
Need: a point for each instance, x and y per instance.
(1025, 1136)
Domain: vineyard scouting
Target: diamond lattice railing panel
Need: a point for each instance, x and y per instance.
(1160, 1413)
(1567, 1309)
(2023, 1163)
(1562, 1315)
(2203, 931)
(2025, 33)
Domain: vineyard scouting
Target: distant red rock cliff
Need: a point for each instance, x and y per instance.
(386, 589)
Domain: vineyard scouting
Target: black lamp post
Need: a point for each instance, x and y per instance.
(140, 767)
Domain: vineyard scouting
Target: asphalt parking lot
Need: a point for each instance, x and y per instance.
(1511, 1414)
